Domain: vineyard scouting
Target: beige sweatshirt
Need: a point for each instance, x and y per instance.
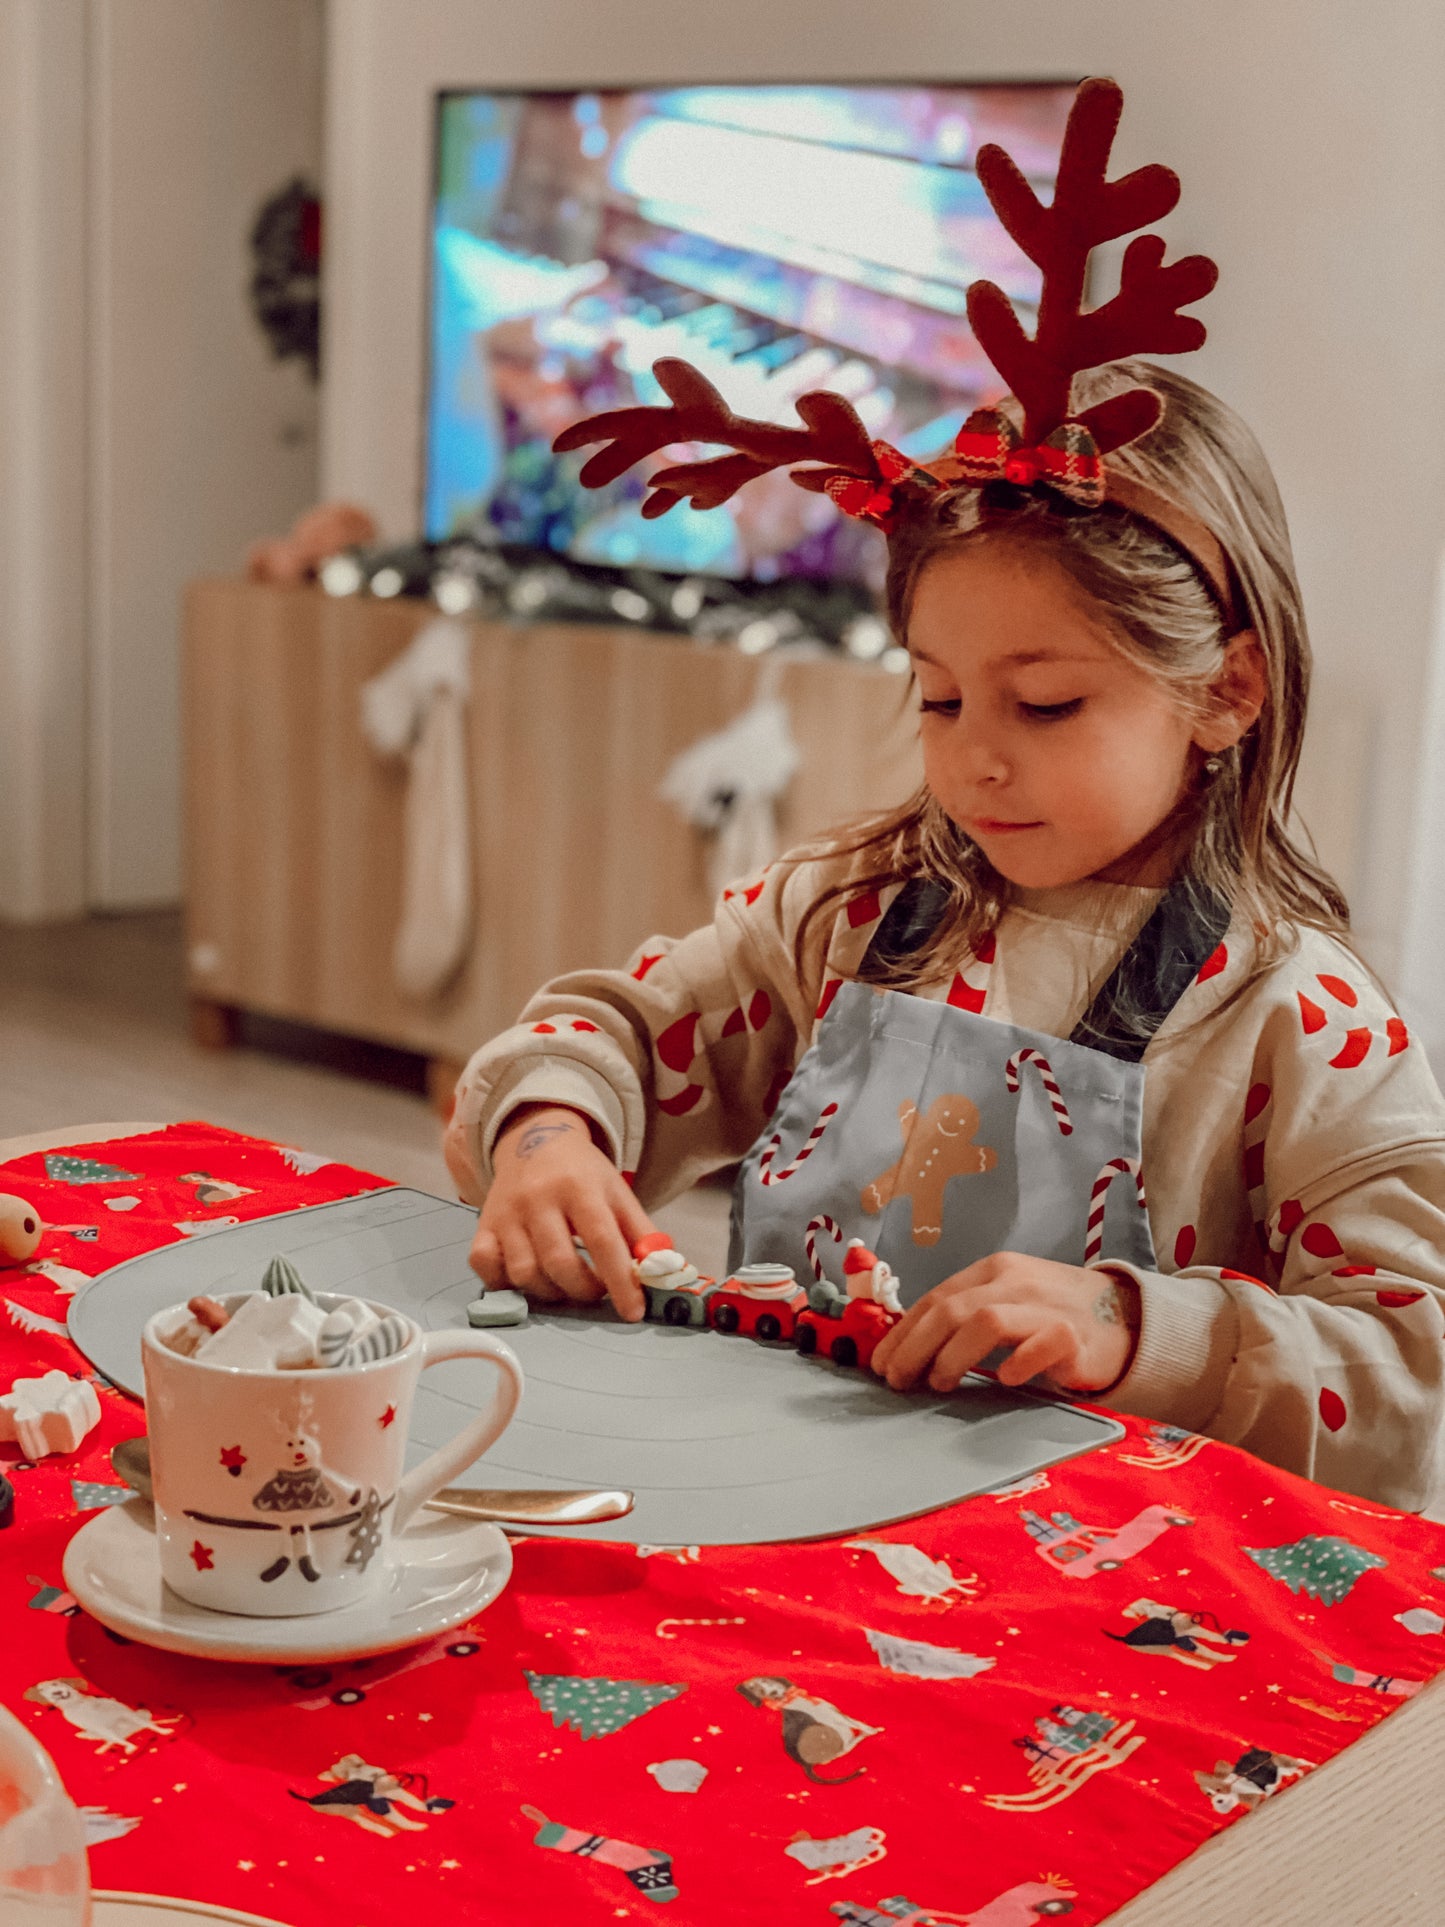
(1293, 1146)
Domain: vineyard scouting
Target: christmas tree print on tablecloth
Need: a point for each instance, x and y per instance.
(594, 1707)
(1319, 1565)
(68, 1170)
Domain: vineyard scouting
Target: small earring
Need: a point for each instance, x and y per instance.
(1213, 765)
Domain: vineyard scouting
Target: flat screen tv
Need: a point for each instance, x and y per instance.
(782, 238)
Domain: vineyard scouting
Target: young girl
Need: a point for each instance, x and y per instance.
(1088, 951)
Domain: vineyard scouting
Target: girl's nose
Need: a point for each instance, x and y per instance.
(983, 759)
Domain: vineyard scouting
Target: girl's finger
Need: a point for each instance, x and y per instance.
(557, 1255)
(1052, 1346)
(609, 1247)
(485, 1258)
(522, 1269)
(629, 1213)
(973, 1325)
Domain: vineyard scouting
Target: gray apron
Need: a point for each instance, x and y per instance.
(939, 1136)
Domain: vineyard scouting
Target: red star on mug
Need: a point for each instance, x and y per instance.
(387, 1417)
(233, 1458)
(202, 1557)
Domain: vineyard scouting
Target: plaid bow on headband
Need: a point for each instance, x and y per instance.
(988, 448)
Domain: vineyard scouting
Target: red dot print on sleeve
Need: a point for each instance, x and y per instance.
(1320, 1242)
(830, 991)
(1398, 1035)
(1354, 1271)
(1337, 988)
(1354, 1050)
(864, 909)
(735, 1022)
(1216, 961)
(677, 1045)
(679, 1106)
(1395, 1300)
(1332, 1409)
(1184, 1245)
(545, 1030)
(1247, 1278)
(644, 964)
(1259, 1096)
(1311, 1016)
(760, 1009)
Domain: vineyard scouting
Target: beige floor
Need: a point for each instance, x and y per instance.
(93, 1026)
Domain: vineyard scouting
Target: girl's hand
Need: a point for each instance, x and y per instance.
(551, 1181)
(1077, 1327)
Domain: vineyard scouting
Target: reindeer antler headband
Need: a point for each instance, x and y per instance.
(1056, 449)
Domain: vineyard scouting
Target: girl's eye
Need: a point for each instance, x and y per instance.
(947, 706)
(1052, 712)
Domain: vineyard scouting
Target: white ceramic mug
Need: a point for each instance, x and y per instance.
(278, 1492)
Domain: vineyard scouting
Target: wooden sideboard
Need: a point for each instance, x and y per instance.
(294, 825)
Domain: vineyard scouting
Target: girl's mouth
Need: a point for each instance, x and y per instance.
(990, 826)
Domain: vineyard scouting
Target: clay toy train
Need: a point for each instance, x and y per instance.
(766, 1301)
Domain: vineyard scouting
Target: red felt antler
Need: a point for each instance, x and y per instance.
(1087, 209)
(831, 434)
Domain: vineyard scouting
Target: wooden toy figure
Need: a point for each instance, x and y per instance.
(20, 1229)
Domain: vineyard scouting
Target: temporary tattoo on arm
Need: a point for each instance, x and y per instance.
(534, 1136)
(1118, 1304)
(1109, 1306)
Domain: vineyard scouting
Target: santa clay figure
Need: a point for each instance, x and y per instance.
(865, 1275)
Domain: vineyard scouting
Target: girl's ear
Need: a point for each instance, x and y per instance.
(1237, 694)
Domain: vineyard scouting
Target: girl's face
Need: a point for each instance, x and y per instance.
(1044, 744)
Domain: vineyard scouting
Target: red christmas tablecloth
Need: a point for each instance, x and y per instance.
(1030, 1704)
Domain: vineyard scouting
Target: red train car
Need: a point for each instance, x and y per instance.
(759, 1301)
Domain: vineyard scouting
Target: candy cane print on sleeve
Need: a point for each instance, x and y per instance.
(810, 1242)
(1028, 1055)
(770, 1150)
(1099, 1196)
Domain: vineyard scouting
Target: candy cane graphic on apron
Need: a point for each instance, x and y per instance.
(821, 1223)
(1046, 1077)
(1098, 1197)
(765, 1171)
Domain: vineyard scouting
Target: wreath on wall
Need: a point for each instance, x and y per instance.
(286, 273)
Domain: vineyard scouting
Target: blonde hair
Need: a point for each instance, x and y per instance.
(1161, 614)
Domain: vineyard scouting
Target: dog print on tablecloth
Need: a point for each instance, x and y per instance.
(109, 1723)
(937, 1146)
(1254, 1776)
(374, 1798)
(1194, 1639)
(814, 1731)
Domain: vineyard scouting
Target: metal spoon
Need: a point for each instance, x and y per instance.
(132, 1461)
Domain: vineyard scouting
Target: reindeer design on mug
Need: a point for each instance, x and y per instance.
(303, 1491)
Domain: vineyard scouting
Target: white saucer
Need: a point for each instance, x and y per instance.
(154, 1910)
(443, 1570)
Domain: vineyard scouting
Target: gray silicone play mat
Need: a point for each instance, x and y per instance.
(724, 1441)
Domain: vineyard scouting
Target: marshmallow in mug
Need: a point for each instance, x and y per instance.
(286, 1333)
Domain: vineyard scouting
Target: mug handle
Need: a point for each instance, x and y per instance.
(469, 1444)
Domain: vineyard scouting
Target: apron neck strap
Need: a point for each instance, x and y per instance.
(1184, 928)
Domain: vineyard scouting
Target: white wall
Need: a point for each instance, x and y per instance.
(199, 440)
(1309, 137)
(42, 457)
